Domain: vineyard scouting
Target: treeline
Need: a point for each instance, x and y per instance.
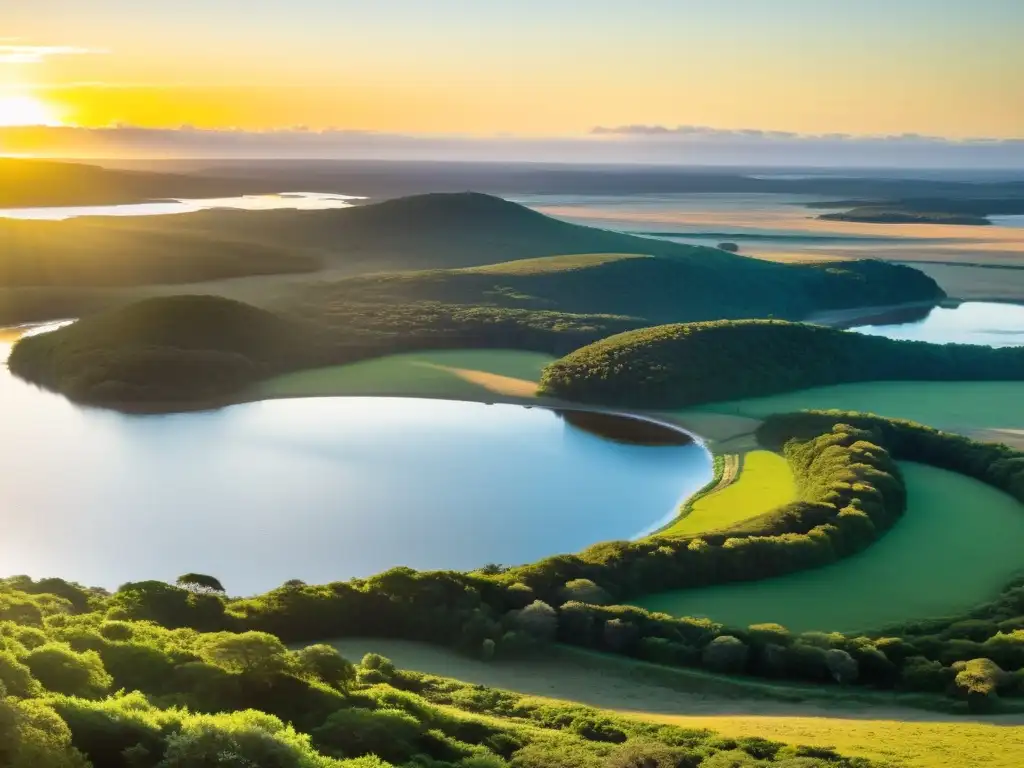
(186, 351)
(674, 366)
(80, 687)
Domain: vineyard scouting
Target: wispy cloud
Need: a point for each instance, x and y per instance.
(694, 133)
(706, 147)
(12, 52)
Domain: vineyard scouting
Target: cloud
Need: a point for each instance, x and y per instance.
(14, 53)
(687, 145)
(703, 132)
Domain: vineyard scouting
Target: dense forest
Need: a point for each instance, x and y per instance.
(675, 366)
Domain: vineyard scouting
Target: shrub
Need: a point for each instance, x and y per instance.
(16, 678)
(584, 591)
(978, 681)
(390, 734)
(325, 663)
(251, 653)
(62, 670)
(538, 620)
(726, 654)
(842, 666)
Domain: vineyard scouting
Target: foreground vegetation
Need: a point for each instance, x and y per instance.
(880, 728)
(674, 366)
(81, 685)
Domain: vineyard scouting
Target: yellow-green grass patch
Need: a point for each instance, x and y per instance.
(956, 547)
(765, 482)
(454, 374)
(546, 264)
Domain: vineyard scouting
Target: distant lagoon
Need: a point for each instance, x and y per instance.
(302, 201)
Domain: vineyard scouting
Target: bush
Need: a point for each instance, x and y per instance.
(538, 620)
(16, 678)
(584, 591)
(325, 663)
(726, 654)
(62, 670)
(842, 666)
(390, 734)
(978, 681)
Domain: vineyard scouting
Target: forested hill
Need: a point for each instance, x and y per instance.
(704, 285)
(687, 364)
(437, 230)
(45, 183)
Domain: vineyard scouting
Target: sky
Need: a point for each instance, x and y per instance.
(528, 68)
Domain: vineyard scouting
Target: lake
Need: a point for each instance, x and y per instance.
(973, 322)
(317, 489)
(304, 201)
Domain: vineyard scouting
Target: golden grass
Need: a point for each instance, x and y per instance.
(546, 264)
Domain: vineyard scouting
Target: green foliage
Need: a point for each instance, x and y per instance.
(675, 366)
(324, 663)
(392, 735)
(62, 670)
(164, 350)
(16, 678)
(200, 582)
(257, 654)
(726, 654)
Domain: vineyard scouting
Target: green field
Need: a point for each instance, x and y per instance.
(957, 545)
(765, 482)
(952, 405)
(478, 374)
(886, 731)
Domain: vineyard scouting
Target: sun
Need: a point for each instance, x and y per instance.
(25, 110)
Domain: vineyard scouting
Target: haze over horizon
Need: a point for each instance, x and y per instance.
(792, 82)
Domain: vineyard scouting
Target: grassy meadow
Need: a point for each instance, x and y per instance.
(953, 405)
(764, 483)
(896, 734)
(476, 374)
(972, 533)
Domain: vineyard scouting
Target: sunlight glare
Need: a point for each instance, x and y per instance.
(25, 110)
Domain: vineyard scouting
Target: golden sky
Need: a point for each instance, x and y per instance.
(552, 68)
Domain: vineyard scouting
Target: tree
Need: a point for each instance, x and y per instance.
(725, 654)
(61, 670)
(250, 653)
(200, 583)
(325, 663)
(33, 736)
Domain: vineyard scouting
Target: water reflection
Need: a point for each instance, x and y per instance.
(973, 322)
(303, 201)
(315, 489)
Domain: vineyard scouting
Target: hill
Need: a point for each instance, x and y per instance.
(176, 349)
(45, 183)
(704, 284)
(686, 364)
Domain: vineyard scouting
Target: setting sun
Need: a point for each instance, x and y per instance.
(25, 110)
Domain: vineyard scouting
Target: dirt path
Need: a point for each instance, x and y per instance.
(899, 734)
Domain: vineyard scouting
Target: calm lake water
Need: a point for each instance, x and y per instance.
(973, 322)
(305, 201)
(314, 489)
